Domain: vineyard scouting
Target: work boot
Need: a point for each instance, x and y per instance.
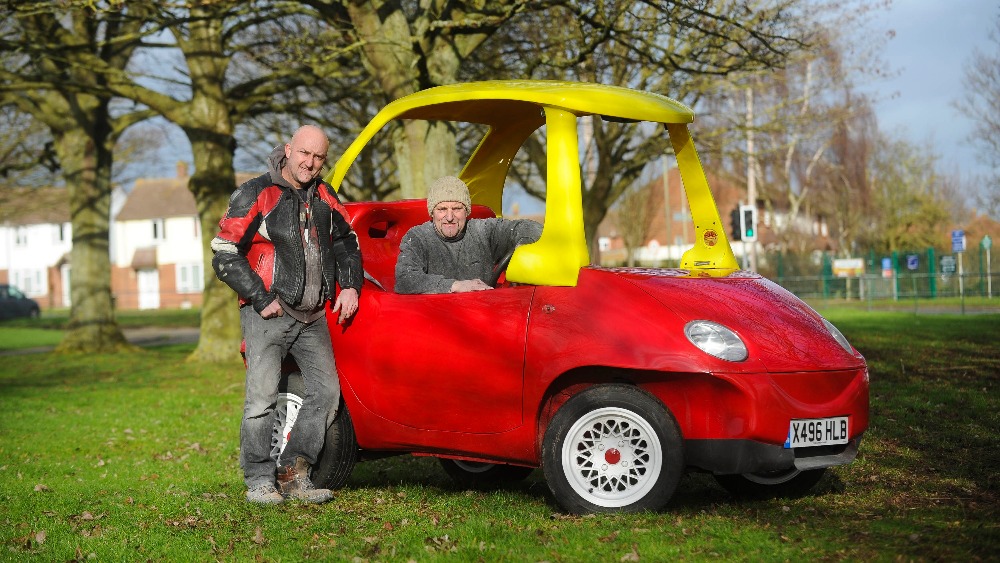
(265, 493)
(295, 484)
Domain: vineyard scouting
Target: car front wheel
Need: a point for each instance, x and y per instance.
(612, 448)
(772, 484)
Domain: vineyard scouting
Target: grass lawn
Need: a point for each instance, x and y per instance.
(26, 337)
(134, 456)
(19, 334)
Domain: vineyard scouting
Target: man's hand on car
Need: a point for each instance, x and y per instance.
(346, 304)
(462, 286)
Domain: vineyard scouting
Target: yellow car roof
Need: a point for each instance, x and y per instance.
(513, 110)
(502, 101)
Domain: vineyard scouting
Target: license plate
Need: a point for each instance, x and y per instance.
(808, 432)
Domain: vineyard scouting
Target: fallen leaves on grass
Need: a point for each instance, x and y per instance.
(258, 536)
(441, 543)
(29, 542)
(632, 555)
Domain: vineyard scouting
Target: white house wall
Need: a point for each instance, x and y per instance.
(180, 245)
(28, 251)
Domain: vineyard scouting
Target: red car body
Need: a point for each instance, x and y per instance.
(478, 376)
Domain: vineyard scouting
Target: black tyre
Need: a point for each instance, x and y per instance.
(612, 448)
(340, 451)
(475, 475)
(339, 454)
(787, 483)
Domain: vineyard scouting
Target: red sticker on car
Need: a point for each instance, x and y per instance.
(710, 237)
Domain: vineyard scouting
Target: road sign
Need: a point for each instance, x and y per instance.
(887, 267)
(948, 264)
(912, 261)
(958, 241)
(848, 267)
(987, 242)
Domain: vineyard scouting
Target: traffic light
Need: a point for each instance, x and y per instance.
(748, 223)
(735, 222)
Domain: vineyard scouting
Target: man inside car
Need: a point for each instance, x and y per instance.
(451, 253)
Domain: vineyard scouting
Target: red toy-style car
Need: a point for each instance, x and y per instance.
(613, 380)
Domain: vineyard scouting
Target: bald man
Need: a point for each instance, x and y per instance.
(283, 245)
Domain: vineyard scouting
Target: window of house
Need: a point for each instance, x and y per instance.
(159, 231)
(197, 228)
(604, 244)
(21, 236)
(30, 281)
(189, 278)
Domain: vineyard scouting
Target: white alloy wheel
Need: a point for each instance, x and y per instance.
(612, 457)
(286, 411)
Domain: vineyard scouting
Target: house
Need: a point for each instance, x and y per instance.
(35, 242)
(158, 260)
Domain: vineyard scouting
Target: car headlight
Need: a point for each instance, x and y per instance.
(716, 340)
(838, 336)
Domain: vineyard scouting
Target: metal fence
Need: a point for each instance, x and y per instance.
(898, 287)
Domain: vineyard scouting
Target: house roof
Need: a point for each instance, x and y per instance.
(159, 198)
(33, 206)
(153, 198)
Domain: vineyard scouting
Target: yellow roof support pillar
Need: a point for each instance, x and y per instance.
(559, 254)
(712, 253)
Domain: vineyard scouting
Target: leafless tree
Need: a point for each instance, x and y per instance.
(981, 103)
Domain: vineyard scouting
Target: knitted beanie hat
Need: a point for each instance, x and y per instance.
(448, 188)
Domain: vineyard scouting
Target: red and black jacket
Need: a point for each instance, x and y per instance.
(258, 251)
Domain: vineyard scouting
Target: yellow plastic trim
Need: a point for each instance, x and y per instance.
(559, 254)
(512, 110)
(488, 166)
(499, 102)
(712, 253)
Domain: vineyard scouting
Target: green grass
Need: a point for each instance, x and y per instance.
(134, 456)
(921, 305)
(21, 338)
(19, 334)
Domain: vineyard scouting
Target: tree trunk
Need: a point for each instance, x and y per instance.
(86, 168)
(212, 183)
(425, 151)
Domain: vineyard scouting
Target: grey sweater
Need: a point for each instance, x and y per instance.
(428, 263)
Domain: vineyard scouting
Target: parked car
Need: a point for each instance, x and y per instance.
(614, 381)
(14, 304)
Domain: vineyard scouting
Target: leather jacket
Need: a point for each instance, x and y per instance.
(259, 250)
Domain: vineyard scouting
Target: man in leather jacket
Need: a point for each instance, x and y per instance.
(283, 245)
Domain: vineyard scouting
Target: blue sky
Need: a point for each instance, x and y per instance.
(934, 41)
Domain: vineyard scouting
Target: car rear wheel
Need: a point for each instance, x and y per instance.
(290, 393)
(340, 450)
(612, 448)
(339, 454)
(473, 474)
(772, 484)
